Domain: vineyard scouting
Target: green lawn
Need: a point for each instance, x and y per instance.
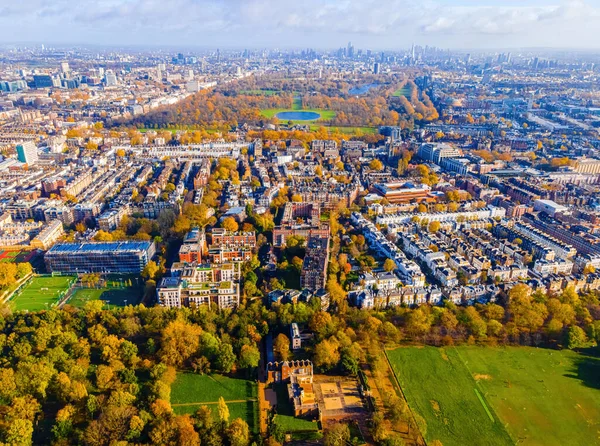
(261, 92)
(115, 292)
(480, 395)
(247, 411)
(40, 293)
(191, 391)
(194, 388)
(404, 91)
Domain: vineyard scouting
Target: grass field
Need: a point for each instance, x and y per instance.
(191, 391)
(40, 293)
(261, 92)
(193, 388)
(404, 91)
(498, 396)
(114, 293)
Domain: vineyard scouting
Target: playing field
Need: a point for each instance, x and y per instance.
(114, 293)
(190, 391)
(16, 256)
(40, 293)
(498, 396)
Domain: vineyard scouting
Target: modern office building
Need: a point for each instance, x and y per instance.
(27, 153)
(99, 257)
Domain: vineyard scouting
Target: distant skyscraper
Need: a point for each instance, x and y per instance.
(64, 67)
(27, 153)
(350, 51)
(376, 68)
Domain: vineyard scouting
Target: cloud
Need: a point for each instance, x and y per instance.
(249, 21)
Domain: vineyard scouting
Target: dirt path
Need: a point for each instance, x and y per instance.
(202, 403)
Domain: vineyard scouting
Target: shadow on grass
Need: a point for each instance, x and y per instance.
(586, 367)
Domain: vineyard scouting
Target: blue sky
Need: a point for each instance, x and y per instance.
(376, 24)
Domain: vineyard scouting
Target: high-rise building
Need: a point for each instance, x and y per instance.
(376, 68)
(110, 79)
(27, 153)
(350, 51)
(64, 67)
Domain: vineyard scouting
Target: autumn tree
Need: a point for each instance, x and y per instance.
(281, 347)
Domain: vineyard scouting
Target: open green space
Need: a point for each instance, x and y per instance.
(194, 388)
(40, 292)
(503, 395)
(247, 411)
(404, 91)
(261, 92)
(190, 391)
(117, 290)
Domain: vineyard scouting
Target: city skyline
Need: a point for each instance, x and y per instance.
(454, 24)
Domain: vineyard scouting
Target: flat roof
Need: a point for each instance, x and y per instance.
(100, 247)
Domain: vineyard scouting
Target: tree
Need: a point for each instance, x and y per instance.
(180, 340)
(576, 337)
(23, 269)
(238, 433)
(150, 271)
(19, 432)
(376, 165)
(249, 356)
(225, 358)
(327, 354)
(103, 236)
(223, 411)
(337, 435)
(434, 226)
(8, 273)
(389, 265)
(230, 224)
(281, 347)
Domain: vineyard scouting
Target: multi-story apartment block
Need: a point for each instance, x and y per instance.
(201, 284)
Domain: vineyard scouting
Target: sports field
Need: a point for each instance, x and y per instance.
(498, 396)
(115, 292)
(40, 293)
(191, 391)
(16, 256)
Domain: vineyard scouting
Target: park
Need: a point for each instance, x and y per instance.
(190, 391)
(506, 395)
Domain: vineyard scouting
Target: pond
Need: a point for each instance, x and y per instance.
(297, 116)
(362, 89)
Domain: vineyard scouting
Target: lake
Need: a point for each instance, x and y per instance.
(297, 116)
(356, 91)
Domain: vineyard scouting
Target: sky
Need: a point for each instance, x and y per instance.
(321, 24)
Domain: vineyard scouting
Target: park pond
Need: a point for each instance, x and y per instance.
(363, 89)
(298, 115)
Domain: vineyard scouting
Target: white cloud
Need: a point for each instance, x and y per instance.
(320, 21)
